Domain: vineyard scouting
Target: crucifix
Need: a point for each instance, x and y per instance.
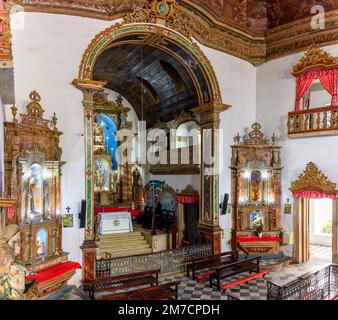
(68, 209)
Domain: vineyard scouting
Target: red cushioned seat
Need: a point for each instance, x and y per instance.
(53, 272)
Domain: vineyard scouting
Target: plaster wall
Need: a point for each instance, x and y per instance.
(276, 91)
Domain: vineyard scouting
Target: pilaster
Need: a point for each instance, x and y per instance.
(209, 119)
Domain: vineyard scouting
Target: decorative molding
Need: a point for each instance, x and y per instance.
(313, 179)
(161, 12)
(34, 115)
(256, 136)
(5, 38)
(315, 57)
(228, 35)
(189, 191)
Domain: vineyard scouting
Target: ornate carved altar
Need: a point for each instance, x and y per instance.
(115, 183)
(33, 176)
(256, 192)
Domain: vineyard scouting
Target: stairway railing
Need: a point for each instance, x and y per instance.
(172, 261)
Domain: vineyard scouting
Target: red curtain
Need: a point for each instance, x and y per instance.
(303, 85)
(314, 194)
(329, 80)
(188, 199)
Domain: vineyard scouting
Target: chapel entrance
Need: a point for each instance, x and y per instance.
(315, 216)
(151, 61)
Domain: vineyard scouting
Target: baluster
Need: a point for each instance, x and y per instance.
(312, 121)
(318, 120)
(289, 124)
(325, 120)
(306, 122)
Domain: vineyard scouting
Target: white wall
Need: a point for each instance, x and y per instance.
(47, 54)
(276, 90)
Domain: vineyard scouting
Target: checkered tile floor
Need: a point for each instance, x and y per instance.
(320, 252)
(252, 290)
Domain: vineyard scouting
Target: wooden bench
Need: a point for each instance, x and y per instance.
(167, 291)
(210, 262)
(228, 270)
(123, 281)
(224, 287)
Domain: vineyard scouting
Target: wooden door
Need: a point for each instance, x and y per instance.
(301, 230)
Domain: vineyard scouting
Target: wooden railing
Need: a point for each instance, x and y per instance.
(318, 121)
(179, 161)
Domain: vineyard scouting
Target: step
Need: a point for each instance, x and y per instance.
(127, 253)
(127, 247)
(122, 241)
(121, 235)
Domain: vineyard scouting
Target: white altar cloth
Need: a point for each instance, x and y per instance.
(115, 222)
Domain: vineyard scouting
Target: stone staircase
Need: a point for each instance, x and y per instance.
(124, 245)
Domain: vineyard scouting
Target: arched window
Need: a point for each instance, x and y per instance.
(187, 135)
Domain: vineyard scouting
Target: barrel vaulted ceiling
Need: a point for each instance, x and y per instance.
(254, 30)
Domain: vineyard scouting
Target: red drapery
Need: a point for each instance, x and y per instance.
(188, 199)
(328, 78)
(314, 194)
(258, 239)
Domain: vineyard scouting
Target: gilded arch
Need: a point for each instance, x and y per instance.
(104, 40)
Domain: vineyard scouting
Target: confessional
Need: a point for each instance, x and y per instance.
(33, 169)
(256, 193)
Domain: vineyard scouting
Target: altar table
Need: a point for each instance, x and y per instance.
(115, 222)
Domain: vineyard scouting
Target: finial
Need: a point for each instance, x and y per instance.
(274, 139)
(14, 113)
(54, 121)
(237, 138)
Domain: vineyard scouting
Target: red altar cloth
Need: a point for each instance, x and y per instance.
(258, 239)
(53, 272)
(122, 209)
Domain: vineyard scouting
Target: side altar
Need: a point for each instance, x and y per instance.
(256, 193)
(33, 177)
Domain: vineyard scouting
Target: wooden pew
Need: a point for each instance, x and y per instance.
(123, 281)
(210, 261)
(228, 270)
(160, 292)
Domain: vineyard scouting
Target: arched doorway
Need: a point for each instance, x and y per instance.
(127, 57)
(311, 185)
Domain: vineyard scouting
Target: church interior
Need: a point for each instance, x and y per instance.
(168, 150)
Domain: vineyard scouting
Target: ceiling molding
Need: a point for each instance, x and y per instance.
(208, 28)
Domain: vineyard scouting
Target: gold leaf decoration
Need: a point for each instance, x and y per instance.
(314, 58)
(313, 179)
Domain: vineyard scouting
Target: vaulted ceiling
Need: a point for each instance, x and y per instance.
(253, 30)
(156, 84)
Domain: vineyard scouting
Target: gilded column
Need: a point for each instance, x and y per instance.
(209, 227)
(89, 246)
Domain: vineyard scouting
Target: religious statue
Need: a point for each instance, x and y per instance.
(39, 247)
(98, 136)
(255, 185)
(256, 219)
(255, 192)
(115, 187)
(12, 275)
(34, 195)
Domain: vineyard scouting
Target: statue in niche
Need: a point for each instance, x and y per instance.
(35, 189)
(256, 186)
(102, 173)
(98, 136)
(256, 219)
